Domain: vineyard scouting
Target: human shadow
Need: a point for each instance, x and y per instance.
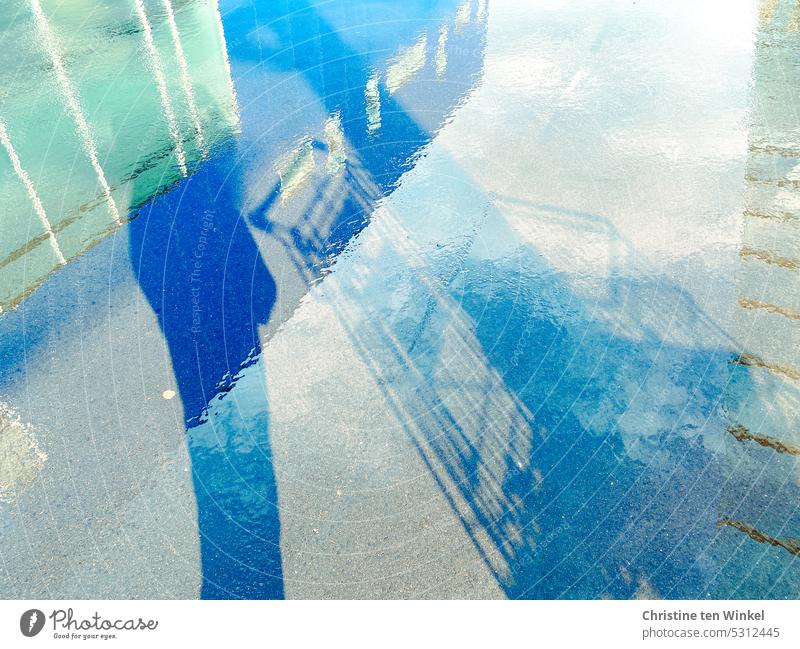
(200, 266)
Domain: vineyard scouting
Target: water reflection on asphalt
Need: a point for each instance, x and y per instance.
(459, 299)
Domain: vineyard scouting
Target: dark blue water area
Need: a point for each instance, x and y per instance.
(595, 519)
(615, 484)
(609, 517)
(335, 48)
